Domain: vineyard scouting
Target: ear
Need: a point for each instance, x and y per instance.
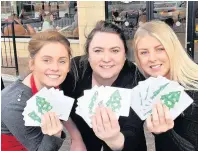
(31, 64)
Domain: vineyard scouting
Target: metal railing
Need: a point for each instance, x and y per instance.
(9, 55)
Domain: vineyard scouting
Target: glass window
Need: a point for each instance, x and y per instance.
(36, 16)
(127, 15)
(174, 14)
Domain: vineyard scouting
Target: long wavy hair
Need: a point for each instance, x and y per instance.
(182, 68)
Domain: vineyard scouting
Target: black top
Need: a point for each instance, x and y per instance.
(184, 135)
(131, 127)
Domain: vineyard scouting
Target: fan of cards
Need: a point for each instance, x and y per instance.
(117, 99)
(44, 101)
(150, 91)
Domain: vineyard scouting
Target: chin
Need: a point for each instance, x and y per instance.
(53, 84)
(107, 76)
(156, 75)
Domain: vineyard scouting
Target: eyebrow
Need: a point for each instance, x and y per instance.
(51, 57)
(159, 45)
(146, 48)
(115, 47)
(97, 48)
(103, 48)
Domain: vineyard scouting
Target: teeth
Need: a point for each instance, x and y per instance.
(155, 66)
(106, 67)
(53, 76)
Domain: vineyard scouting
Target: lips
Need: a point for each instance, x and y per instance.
(155, 66)
(53, 76)
(106, 66)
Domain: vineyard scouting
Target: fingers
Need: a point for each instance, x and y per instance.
(48, 121)
(155, 117)
(160, 111)
(53, 119)
(105, 119)
(105, 124)
(50, 124)
(160, 121)
(57, 121)
(113, 119)
(168, 118)
(99, 122)
(43, 125)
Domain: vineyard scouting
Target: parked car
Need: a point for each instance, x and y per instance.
(170, 9)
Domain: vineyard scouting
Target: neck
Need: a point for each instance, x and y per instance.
(39, 86)
(99, 81)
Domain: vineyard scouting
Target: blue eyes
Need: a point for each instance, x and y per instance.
(144, 52)
(160, 49)
(62, 62)
(48, 61)
(147, 52)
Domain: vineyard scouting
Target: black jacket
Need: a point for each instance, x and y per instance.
(184, 135)
(131, 127)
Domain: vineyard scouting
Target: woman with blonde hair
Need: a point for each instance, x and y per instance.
(158, 51)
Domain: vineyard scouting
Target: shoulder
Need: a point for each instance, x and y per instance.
(80, 62)
(15, 95)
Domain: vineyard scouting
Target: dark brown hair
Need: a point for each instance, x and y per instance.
(106, 27)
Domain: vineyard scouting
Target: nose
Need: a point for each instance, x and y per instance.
(107, 57)
(152, 56)
(54, 66)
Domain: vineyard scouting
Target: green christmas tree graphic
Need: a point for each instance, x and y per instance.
(34, 116)
(93, 100)
(114, 101)
(171, 98)
(42, 105)
(155, 93)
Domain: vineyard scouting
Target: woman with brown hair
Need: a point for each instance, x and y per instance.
(49, 64)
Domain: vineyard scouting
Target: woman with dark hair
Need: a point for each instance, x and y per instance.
(105, 64)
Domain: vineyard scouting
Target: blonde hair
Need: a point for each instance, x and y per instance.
(182, 68)
(42, 38)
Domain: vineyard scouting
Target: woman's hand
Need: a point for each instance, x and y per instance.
(106, 127)
(51, 125)
(160, 121)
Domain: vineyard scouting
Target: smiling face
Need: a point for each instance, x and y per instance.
(106, 55)
(50, 65)
(153, 57)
